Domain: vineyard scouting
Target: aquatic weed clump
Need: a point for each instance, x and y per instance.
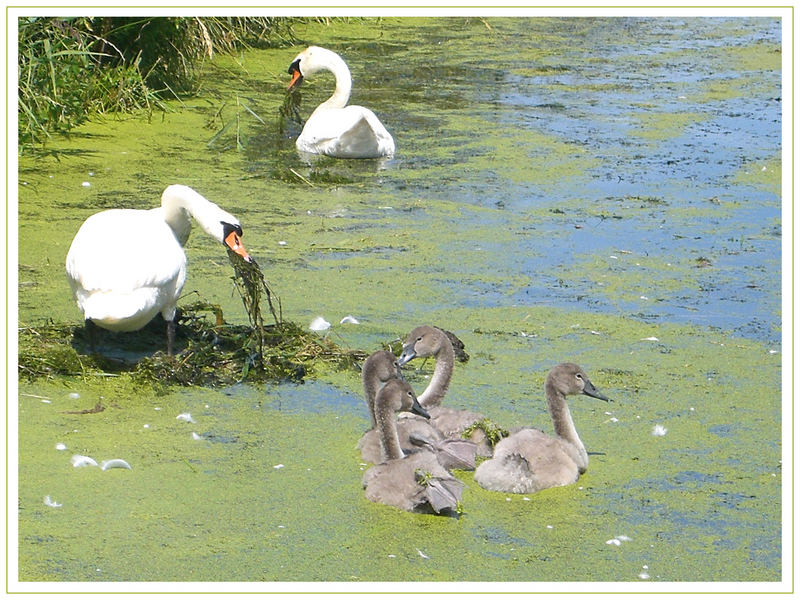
(213, 353)
(494, 433)
(219, 354)
(45, 351)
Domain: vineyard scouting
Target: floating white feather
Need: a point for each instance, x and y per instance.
(114, 463)
(319, 324)
(78, 460)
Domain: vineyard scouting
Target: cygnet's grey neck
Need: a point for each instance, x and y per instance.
(563, 424)
(378, 368)
(386, 424)
(442, 373)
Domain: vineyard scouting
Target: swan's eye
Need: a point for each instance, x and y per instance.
(419, 339)
(578, 376)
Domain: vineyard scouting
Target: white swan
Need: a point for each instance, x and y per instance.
(125, 265)
(334, 128)
(530, 460)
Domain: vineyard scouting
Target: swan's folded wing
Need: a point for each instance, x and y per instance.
(124, 250)
(457, 454)
(351, 132)
(451, 454)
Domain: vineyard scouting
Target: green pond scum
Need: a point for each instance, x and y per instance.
(602, 191)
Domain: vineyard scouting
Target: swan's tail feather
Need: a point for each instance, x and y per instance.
(117, 311)
(443, 494)
(451, 454)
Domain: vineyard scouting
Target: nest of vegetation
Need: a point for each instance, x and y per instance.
(209, 351)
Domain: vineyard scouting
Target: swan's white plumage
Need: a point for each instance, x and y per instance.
(122, 277)
(335, 129)
(125, 266)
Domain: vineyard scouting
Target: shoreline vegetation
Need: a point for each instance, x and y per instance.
(75, 67)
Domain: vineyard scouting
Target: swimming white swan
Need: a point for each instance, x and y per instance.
(334, 128)
(428, 341)
(416, 482)
(530, 460)
(125, 265)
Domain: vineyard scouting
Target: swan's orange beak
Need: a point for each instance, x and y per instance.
(297, 79)
(234, 242)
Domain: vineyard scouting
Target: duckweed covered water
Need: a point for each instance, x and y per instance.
(605, 191)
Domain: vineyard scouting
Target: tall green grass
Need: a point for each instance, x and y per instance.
(72, 68)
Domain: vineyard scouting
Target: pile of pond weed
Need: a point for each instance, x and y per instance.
(212, 352)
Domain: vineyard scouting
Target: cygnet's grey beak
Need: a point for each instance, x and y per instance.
(407, 355)
(590, 390)
(417, 409)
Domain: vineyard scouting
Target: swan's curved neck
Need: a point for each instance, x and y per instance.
(178, 217)
(437, 388)
(563, 424)
(344, 83)
(179, 203)
(387, 433)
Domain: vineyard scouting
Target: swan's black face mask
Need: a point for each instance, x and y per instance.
(231, 237)
(297, 76)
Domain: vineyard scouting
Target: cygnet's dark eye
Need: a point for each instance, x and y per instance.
(579, 376)
(419, 339)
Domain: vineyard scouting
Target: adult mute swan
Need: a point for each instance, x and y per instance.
(334, 128)
(530, 460)
(126, 265)
(416, 482)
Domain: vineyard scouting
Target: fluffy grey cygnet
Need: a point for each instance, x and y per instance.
(427, 341)
(530, 460)
(413, 431)
(416, 482)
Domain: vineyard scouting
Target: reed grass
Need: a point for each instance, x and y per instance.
(71, 68)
